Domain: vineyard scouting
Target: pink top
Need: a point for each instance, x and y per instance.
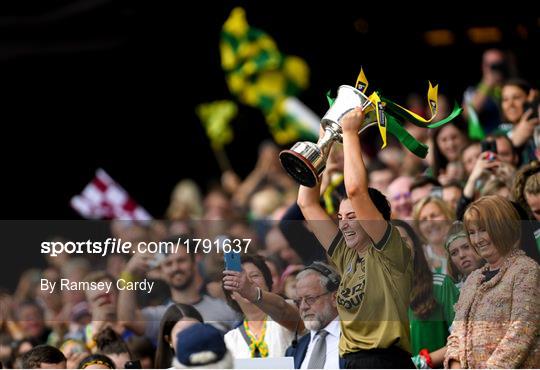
(497, 323)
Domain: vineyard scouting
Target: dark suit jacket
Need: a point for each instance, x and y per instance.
(299, 352)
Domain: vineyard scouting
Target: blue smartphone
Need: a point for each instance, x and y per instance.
(232, 261)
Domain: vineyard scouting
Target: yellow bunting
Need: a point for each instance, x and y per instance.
(432, 99)
(361, 81)
(381, 118)
(432, 102)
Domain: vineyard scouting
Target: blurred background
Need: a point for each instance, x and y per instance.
(114, 84)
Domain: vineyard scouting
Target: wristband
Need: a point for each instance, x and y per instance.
(425, 353)
(259, 295)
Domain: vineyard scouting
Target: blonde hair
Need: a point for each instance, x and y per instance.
(498, 217)
(493, 186)
(532, 185)
(186, 201)
(527, 180)
(441, 204)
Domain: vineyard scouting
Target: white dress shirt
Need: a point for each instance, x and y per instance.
(332, 345)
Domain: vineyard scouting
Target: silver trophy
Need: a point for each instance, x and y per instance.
(305, 161)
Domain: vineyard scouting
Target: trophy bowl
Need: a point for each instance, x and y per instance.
(305, 161)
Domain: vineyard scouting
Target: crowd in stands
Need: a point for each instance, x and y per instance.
(391, 261)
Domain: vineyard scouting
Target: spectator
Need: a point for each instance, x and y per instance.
(422, 187)
(431, 311)
(469, 156)
(463, 257)
(31, 321)
(316, 299)
(181, 274)
(288, 280)
(451, 192)
(97, 361)
(399, 195)
(485, 98)
(483, 169)
(142, 349)
(526, 189)
(109, 343)
(496, 186)
(380, 176)
(269, 321)
(176, 318)
(497, 315)
(103, 307)
(74, 350)
(186, 202)
(520, 123)
(275, 265)
(432, 219)
(202, 346)
(448, 143)
(44, 357)
(506, 152)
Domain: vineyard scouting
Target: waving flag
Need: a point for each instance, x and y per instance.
(260, 76)
(104, 198)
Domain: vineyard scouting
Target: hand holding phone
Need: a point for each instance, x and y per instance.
(489, 146)
(232, 261)
(533, 105)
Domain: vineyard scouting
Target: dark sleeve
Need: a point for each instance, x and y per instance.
(529, 231)
(462, 205)
(299, 237)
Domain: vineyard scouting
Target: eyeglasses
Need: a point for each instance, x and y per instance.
(310, 301)
(406, 195)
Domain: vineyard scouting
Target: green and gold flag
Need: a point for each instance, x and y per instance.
(260, 76)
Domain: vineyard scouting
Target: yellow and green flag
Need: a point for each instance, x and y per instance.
(260, 76)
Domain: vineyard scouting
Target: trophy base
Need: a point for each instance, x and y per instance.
(300, 169)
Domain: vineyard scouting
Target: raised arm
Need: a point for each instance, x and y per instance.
(272, 304)
(127, 312)
(356, 180)
(319, 221)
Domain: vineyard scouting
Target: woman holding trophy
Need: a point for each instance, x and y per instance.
(374, 262)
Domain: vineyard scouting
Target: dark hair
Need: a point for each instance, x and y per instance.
(520, 180)
(42, 354)
(422, 301)
(498, 134)
(276, 260)
(31, 303)
(96, 358)
(422, 180)
(453, 184)
(439, 160)
(471, 143)
(109, 342)
(380, 202)
(141, 347)
(260, 263)
(173, 314)
(377, 165)
(518, 82)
